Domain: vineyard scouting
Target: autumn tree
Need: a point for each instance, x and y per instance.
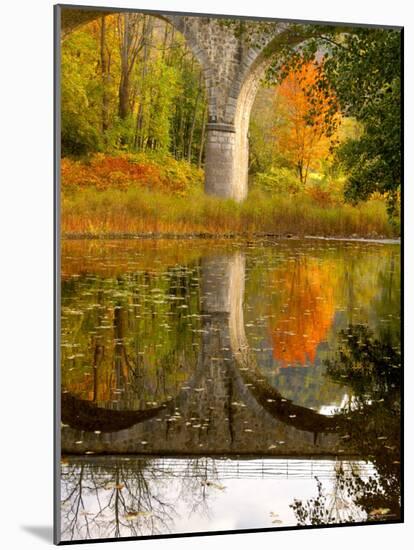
(133, 31)
(363, 66)
(304, 137)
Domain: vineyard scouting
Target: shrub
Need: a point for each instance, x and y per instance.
(277, 180)
(126, 170)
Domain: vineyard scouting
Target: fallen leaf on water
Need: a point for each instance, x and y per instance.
(379, 512)
(132, 515)
(215, 485)
(276, 519)
(113, 485)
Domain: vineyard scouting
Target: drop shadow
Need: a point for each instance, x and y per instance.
(43, 532)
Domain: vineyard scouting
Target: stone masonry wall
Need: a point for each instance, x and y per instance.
(220, 157)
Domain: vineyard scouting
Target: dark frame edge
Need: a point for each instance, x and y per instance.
(56, 272)
(402, 264)
(227, 16)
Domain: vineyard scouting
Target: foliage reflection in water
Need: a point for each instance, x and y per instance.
(269, 356)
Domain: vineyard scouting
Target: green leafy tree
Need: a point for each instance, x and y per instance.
(130, 83)
(365, 70)
(80, 96)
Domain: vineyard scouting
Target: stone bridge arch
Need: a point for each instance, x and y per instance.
(233, 66)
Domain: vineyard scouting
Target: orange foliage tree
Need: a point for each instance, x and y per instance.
(307, 132)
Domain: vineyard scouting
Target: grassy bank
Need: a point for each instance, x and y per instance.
(143, 211)
(127, 195)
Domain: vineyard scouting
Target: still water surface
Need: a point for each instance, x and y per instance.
(211, 386)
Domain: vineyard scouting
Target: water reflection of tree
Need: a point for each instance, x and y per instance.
(372, 368)
(199, 477)
(114, 500)
(118, 498)
(337, 506)
(130, 339)
(307, 295)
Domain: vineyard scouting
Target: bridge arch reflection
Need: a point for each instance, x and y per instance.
(226, 407)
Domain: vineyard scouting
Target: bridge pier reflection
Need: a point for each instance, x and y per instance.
(226, 408)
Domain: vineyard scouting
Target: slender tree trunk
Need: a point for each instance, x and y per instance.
(104, 77)
(193, 123)
(132, 39)
(300, 171)
(169, 60)
(97, 359)
(139, 138)
(149, 138)
(123, 108)
(164, 43)
(181, 134)
(203, 137)
(305, 175)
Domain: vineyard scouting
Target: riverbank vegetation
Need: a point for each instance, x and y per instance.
(134, 115)
(140, 203)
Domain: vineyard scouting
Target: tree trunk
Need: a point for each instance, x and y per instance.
(193, 123)
(104, 77)
(123, 107)
(164, 43)
(132, 40)
(203, 137)
(147, 33)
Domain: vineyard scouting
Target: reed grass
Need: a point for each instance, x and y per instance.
(93, 212)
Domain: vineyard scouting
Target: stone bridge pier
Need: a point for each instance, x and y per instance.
(233, 59)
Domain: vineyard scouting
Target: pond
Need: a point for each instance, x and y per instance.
(221, 385)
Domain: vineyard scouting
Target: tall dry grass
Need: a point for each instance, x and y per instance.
(93, 212)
